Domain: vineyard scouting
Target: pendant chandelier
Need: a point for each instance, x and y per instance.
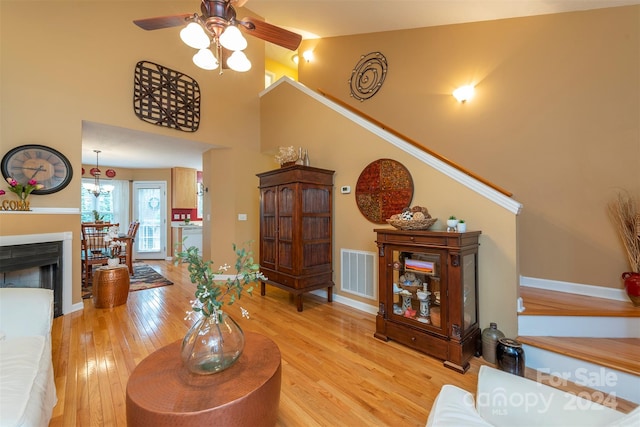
(96, 189)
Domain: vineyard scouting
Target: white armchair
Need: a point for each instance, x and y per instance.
(27, 388)
(504, 399)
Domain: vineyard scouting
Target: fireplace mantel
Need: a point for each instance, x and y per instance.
(67, 260)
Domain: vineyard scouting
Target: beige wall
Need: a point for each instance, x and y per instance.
(289, 117)
(74, 61)
(555, 120)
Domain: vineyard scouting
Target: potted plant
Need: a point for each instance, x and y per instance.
(451, 223)
(97, 218)
(115, 246)
(215, 341)
(626, 217)
(462, 226)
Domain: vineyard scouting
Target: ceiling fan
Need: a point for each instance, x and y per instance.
(218, 27)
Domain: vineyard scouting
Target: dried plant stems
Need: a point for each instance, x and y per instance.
(626, 217)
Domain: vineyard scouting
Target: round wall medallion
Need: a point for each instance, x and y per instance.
(94, 171)
(368, 76)
(110, 173)
(384, 188)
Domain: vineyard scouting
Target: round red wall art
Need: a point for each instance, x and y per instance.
(384, 188)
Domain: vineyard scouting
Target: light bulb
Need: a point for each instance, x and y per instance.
(307, 55)
(205, 59)
(232, 39)
(194, 36)
(238, 61)
(464, 93)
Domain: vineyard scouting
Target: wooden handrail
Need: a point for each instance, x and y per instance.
(414, 143)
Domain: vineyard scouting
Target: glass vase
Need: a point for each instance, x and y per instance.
(212, 344)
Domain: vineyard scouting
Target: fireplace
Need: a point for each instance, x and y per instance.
(38, 261)
(34, 265)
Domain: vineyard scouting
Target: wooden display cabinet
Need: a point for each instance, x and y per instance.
(428, 292)
(295, 230)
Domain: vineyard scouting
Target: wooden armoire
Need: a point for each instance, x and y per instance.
(296, 204)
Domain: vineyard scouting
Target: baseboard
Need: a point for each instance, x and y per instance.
(574, 288)
(348, 302)
(579, 326)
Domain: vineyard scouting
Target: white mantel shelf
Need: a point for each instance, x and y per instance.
(47, 211)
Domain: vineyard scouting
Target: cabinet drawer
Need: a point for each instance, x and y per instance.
(413, 239)
(419, 340)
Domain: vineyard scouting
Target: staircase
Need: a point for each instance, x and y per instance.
(591, 341)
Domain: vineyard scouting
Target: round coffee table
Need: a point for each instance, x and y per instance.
(161, 392)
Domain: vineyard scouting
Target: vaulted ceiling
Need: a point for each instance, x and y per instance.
(314, 19)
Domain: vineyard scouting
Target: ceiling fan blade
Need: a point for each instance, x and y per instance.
(163, 21)
(271, 33)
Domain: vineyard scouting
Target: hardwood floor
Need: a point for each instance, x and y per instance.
(334, 372)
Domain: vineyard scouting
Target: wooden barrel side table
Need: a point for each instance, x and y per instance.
(161, 392)
(110, 286)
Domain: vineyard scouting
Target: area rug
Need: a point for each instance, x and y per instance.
(144, 277)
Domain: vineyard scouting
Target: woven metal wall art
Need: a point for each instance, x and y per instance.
(166, 97)
(368, 76)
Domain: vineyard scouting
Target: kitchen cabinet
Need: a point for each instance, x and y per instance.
(428, 293)
(183, 188)
(296, 205)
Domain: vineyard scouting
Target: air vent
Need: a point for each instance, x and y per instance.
(359, 273)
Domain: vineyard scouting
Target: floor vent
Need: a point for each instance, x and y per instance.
(359, 274)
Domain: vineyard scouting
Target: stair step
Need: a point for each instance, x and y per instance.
(543, 302)
(621, 354)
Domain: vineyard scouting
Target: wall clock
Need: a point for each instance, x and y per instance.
(44, 164)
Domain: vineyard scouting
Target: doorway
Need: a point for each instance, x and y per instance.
(150, 208)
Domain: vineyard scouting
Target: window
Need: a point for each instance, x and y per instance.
(113, 206)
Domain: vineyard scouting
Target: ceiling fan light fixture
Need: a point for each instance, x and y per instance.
(232, 39)
(205, 59)
(238, 61)
(193, 35)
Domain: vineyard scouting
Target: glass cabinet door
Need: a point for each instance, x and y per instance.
(419, 290)
(469, 291)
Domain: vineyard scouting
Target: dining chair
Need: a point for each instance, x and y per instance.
(94, 247)
(127, 252)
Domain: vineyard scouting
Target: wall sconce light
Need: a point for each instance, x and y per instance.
(295, 58)
(464, 93)
(308, 55)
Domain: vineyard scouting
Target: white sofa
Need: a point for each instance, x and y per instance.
(504, 399)
(27, 388)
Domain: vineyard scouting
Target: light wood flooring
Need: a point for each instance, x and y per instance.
(334, 372)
